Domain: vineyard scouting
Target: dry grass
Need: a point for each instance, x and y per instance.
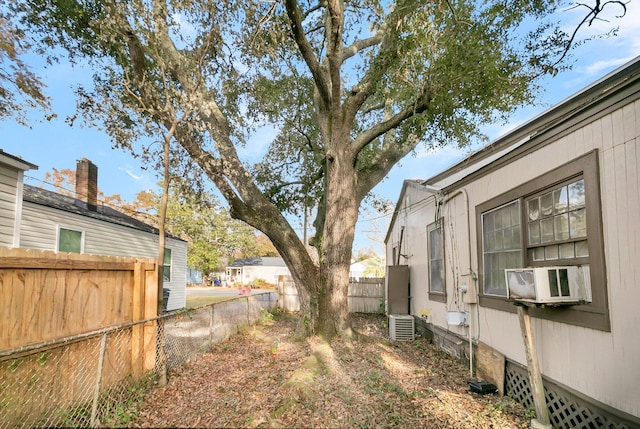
(264, 378)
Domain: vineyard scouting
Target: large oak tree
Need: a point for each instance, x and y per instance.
(351, 86)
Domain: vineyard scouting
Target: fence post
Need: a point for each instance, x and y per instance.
(96, 393)
(137, 313)
(247, 301)
(150, 290)
(211, 326)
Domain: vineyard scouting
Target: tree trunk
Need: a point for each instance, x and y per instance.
(337, 242)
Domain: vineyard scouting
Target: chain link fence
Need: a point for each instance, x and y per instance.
(97, 379)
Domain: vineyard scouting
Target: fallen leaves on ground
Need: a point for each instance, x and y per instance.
(263, 377)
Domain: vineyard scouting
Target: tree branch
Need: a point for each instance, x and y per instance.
(594, 11)
(307, 51)
(380, 166)
(419, 106)
(362, 90)
(360, 45)
(334, 50)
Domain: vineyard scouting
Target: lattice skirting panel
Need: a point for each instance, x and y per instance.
(565, 410)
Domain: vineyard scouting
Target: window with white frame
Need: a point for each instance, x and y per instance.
(166, 269)
(553, 220)
(70, 240)
(435, 254)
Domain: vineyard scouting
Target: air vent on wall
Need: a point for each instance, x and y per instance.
(401, 327)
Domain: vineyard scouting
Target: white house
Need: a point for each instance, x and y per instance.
(562, 190)
(35, 218)
(246, 271)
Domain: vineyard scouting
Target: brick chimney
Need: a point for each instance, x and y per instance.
(87, 183)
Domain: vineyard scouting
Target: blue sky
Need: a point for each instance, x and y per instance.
(53, 144)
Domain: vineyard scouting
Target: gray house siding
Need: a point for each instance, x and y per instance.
(8, 192)
(40, 230)
(177, 284)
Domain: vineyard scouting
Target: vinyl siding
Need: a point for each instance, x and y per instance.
(415, 212)
(8, 191)
(39, 231)
(177, 285)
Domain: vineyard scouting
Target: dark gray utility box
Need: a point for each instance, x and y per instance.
(482, 387)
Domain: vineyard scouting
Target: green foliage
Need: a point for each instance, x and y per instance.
(261, 283)
(20, 88)
(214, 238)
(266, 317)
(42, 358)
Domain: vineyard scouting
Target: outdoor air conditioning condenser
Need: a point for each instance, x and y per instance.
(401, 327)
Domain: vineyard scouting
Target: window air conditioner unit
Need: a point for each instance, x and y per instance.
(401, 327)
(549, 285)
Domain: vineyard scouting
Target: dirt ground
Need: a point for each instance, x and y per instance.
(262, 377)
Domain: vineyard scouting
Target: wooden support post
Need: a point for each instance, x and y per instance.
(150, 312)
(535, 377)
(96, 391)
(137, 313)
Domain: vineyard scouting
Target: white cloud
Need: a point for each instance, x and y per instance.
(599, 66)
(598, 56)
(131, 174)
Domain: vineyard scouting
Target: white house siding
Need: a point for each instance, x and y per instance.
(268, 274)
(601, 365)
(9, 179)
(39, 231)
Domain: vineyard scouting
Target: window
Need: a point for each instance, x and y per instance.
(435, 253)
(552, 220)
(70, 240)
(501, 246)
(166, 270)
(557, 224)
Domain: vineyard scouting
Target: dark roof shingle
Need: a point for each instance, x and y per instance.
(69, 204)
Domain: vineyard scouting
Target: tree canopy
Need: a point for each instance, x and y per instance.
(351, 87)
(215, 239)
(20, 88)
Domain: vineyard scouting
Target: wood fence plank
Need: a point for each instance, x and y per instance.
(44, 295)
(58, 264)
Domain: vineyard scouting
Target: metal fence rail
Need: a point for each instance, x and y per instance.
(94, 379)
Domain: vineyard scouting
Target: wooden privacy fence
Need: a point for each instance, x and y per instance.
(366, 294)
(50, 301)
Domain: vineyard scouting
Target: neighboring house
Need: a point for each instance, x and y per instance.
(246, 271)
(194, 276)
(364, 268)
(562, 189)
(357, 269)
(12, 171)
(46, 220)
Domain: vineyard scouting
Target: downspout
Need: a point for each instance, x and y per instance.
(471, 272)
(400, 246)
